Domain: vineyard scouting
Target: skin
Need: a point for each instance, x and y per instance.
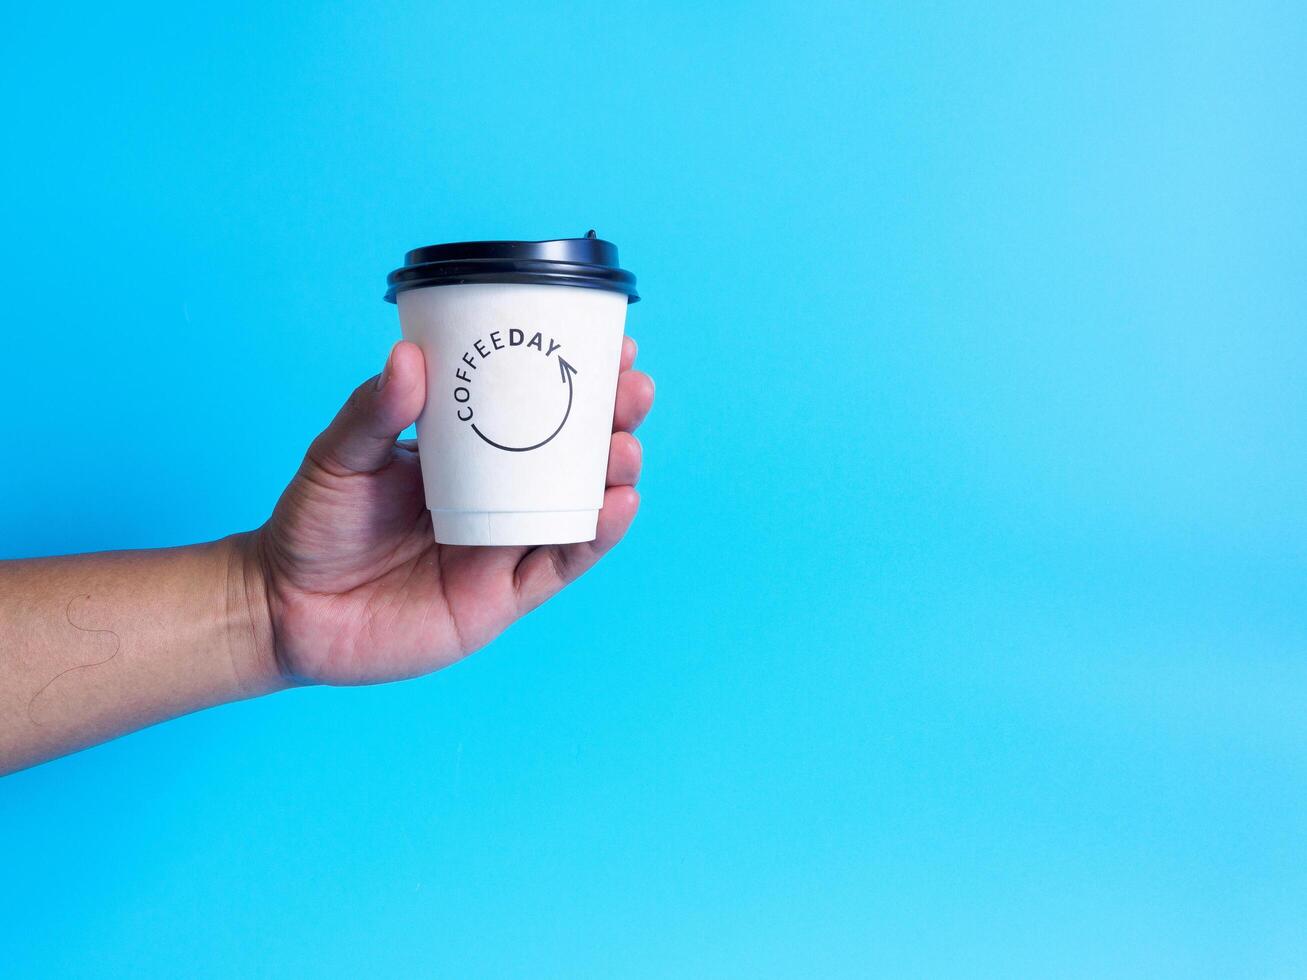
(344, 584)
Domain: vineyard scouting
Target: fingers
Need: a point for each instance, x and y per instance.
(635, 395)
(629, 350)
(545, 570)
(625, 457)
(362, 435)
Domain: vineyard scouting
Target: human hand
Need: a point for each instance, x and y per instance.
(359, 592)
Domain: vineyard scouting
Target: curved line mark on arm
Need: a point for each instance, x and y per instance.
(68, 615)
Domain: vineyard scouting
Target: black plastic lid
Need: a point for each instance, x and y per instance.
(590, 262)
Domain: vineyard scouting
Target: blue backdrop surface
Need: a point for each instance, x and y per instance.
(964, 627)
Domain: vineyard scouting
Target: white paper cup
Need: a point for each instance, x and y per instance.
(521, 380)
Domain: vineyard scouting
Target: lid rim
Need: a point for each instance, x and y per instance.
(512, 278)
(586, 262)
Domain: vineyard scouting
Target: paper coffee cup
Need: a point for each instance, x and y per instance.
(523, 342)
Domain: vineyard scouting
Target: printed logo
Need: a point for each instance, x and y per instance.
(527, 364)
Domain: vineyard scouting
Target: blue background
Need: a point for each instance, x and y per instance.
(963, 628)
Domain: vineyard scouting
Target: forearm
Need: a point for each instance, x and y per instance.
(93, 646)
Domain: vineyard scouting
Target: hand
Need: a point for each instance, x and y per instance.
(359, 592)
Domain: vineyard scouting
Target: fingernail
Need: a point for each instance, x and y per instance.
(384, 376)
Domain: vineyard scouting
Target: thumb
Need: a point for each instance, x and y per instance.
(360, 437)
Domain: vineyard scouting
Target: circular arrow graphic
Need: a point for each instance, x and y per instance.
(566, 370)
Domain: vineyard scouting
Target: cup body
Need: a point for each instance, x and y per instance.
(521, 380)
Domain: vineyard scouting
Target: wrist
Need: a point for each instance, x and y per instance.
(252, 639)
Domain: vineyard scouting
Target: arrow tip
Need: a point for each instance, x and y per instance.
(564, 367)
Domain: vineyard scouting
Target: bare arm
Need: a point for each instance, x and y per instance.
(343, 585)
(97, 645)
